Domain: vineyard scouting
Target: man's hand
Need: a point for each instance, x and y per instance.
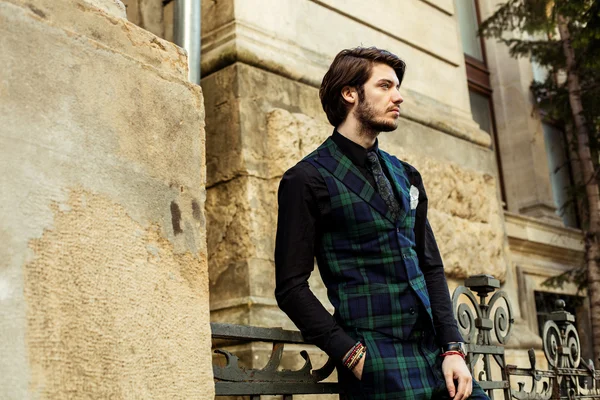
(358, 370)
(455, 368)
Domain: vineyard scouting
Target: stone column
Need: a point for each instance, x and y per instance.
(103, 271)
(520, 134)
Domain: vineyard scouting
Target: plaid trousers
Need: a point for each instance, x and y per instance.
(399, 369)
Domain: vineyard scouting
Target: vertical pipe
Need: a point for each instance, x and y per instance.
(187, 33)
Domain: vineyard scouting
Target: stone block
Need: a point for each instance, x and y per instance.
(241, 219)
(464, 193)
(239, 99)
(104, 286)
(88, 23)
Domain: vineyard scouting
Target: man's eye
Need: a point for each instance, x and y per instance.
(385, 86)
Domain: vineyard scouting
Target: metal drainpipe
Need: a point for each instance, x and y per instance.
(187, 34)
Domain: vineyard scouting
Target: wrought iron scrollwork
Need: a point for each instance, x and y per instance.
(234, 379)
(476, 326)
(233, 372)
(464, 313)
(503, 316)
(565, 379)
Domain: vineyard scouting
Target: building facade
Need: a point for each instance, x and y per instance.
(497, 174)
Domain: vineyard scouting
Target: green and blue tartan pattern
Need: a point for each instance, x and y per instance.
(368, 263)
(396, 369)
(366, 258)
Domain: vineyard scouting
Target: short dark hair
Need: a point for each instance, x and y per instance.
(352, 67)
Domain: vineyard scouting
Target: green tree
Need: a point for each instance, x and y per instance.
(563, 37)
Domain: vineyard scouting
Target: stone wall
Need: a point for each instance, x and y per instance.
(103, 260)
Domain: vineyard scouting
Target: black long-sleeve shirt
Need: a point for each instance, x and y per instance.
(304, 208)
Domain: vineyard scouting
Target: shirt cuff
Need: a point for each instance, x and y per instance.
(339, 344)
(448, 333)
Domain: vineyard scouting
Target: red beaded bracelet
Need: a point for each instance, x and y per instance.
(452, 353)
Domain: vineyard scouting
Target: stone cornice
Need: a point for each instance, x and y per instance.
(412, 43)
(549, 240)
(447, 8)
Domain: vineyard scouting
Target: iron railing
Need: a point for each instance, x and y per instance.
(486, 325)
(232, 379)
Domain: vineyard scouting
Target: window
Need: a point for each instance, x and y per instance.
(478, 75)
(560, 174)
(559, 163)
(481, 110)
(468, 21)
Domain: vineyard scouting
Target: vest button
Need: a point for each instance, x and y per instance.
(412, 311)
(398, 230)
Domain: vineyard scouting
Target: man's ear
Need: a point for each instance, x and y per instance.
(349, 94)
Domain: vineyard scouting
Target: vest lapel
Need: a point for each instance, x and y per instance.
(340, 166)
(400, 182)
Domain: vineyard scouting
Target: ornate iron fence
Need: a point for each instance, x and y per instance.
(567, 378)
(476, 326)
(486, 325)
(235, 380)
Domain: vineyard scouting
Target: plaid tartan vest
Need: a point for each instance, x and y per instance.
(366, 259)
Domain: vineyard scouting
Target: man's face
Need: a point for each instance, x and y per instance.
(378, 109)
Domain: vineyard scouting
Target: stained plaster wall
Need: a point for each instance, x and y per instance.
(103, 268)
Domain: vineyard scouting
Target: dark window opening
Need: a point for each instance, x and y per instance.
(478, 77)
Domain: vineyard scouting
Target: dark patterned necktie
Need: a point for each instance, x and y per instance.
(383, 185)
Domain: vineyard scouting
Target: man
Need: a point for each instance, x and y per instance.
(363, 214)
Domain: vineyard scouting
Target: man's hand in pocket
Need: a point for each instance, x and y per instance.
(358, 370)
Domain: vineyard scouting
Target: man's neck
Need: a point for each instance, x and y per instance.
(351, 130)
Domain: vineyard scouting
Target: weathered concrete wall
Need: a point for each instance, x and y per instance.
(103, 269)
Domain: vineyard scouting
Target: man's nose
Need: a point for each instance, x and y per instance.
(397, 98)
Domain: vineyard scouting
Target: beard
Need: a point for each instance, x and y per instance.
(370, 124)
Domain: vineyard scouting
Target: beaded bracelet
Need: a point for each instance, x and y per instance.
(351, 353)
(354, 355)
(452, 353)
(354, 361)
